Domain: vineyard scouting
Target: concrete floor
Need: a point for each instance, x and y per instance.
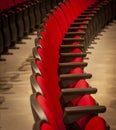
(15, 112)
(102, 65)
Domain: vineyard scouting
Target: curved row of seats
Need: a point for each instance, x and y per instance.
(61, 98)
(18, 18)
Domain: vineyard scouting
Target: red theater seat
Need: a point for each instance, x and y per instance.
(44, 110)
(90, 126)
(41, 83)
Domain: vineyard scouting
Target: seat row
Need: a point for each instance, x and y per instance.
(18, 18)
(61, 98)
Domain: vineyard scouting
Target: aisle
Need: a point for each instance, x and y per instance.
(15, 111)
(102, 65)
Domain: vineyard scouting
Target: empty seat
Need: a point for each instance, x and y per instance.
(12, 22)
(22, 16)
(42, 108)
(90, 126)
(38, 18)
(66, 95)
(5, 27)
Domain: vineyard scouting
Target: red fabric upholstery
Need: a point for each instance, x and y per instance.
(60, 17)
(52, 97)
(86, 100)
(3, 5)
(76, 50)
(67, 14)
(46, 126)
(80, 84)
(42, 68)
(93, 123)
(53, 114)
(78, 59)
(48, 110)
(76, 71)
(77, 36)
(18, 2)
(10, 3)
(96, 123)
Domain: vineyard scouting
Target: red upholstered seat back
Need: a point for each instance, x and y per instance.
(48, 63)
(61, 21)
(10, 3)
(42, 68)
(51, 95)
(20, 1)
(53, 42)
(3, 5)
(67, 14)
(70, 11)
(75, 7)
(48, 110)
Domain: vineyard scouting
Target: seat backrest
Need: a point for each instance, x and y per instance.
(3, 5)
(84, 4)
(53, 39)
(56, 32)
(10, 3)
(43, 111)
(75, 7)
(66, 13)
(17, 2)
(50, 64)
(41, 67)
(60, 18)
(52, 95)
(70, 8)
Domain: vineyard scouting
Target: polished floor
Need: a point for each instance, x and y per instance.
(15, 111)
